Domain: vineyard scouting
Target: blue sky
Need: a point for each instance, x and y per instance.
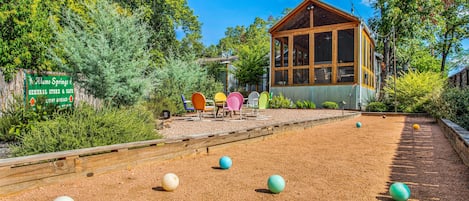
(217, 15)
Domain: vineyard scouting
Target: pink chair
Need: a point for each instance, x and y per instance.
(234, 103)
(238, 95)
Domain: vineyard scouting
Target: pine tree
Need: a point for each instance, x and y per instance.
(106, 51)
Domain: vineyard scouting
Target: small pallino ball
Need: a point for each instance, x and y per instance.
(399, 191)
(225, 162)
(416, 126)
(63, 198)
(170, 182)
(358, 124)
(276, 184)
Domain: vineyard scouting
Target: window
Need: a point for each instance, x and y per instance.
(301, 76)
(281, 52)
(301, 50)
(322, 75)
(323, 48)
(281, 77)
(345, 46)
(346, 74)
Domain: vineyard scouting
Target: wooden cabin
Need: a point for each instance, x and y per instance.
(320, 53)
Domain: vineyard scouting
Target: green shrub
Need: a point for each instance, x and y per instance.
(305, 104)
(156, 105)
(414, 89)
(18, 118)
(87, 127)
(299, 104)
(376, 107)
(280, 101)
(452, 104)
(330, 105)
(6, 122)
(178, 76)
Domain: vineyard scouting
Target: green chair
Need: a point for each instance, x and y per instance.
(264, 100)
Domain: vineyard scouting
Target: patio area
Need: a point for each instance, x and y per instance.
(189, 125)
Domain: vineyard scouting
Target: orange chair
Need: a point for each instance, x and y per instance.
(200, 104)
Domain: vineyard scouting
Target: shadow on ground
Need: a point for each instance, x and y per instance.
(427, 163)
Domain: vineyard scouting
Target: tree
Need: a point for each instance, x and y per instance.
(234, 37)
(181, 75)
(397, 23)
(405, 32)
(414, 54)
(216, 70)
(440, 25)
(165, 17)
(107, 52)
(25, 35)
(252, 63)
(252, 45)
(212, 51)
(453, 26)
(253, 53)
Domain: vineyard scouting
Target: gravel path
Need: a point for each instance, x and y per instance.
(190, 125)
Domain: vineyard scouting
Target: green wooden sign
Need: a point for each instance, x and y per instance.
(57, 89)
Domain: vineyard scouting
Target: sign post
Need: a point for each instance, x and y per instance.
(57, 89)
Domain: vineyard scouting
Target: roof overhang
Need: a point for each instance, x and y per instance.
(307, 3)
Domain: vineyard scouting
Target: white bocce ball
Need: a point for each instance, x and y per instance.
(170, 182)
(63, 198)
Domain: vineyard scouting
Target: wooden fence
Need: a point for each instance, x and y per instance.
(16, 87)
(22, 173)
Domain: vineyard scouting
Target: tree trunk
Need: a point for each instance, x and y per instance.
(443, 61)
(385, 71)
(446, 48)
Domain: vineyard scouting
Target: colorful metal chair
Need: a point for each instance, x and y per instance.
(264, 100)
(253, 102)
(220, 103)
(234, 103)
(200, 104)
(187, 104)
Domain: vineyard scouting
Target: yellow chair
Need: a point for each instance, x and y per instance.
(220, 103)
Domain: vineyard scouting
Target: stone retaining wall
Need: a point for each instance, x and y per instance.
(458, 137)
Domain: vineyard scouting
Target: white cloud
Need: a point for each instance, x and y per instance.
(367, 2)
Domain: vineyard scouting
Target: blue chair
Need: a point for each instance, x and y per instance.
(187, 104)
